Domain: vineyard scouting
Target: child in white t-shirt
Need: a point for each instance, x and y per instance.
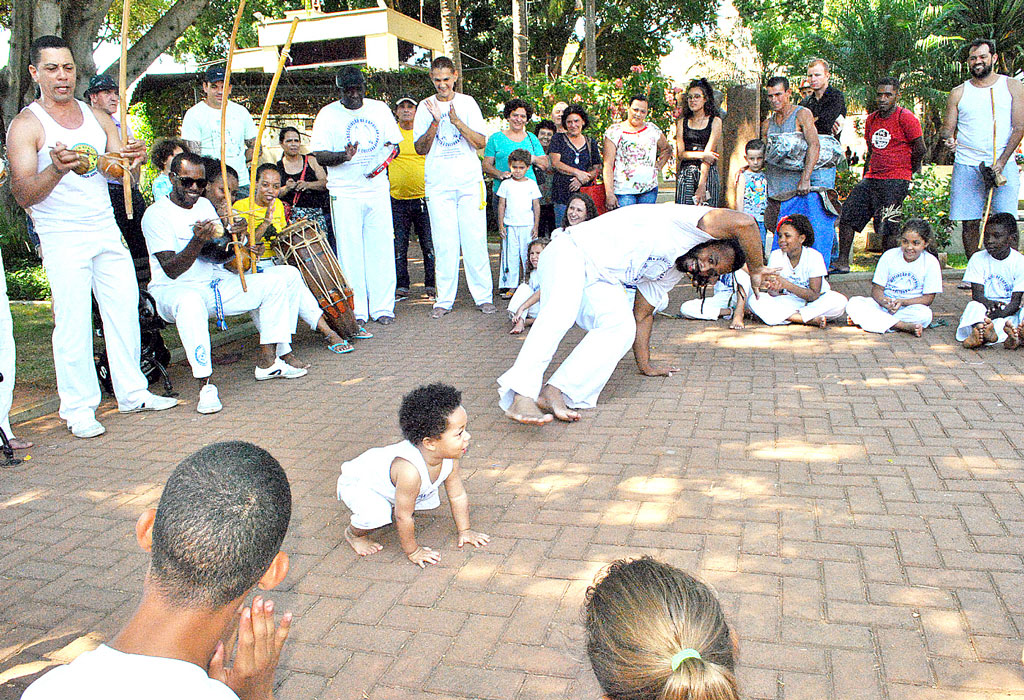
(904, 286)
(405, 477)
(799, 293)
(522, 307)
(996, 276)
(518, 217)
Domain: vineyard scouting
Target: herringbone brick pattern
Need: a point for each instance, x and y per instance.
(855, 500)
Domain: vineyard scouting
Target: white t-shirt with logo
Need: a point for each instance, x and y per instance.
(906, 280)
(107, 674)
(202, 125)
(167, 226)
(519, 197)
(452, 163)
(810, 265)
(1001, 278)
(373, 127)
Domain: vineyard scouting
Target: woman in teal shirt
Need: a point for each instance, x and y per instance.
(517, 112)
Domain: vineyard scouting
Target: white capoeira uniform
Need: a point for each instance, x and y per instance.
(365, 484)
(191, 299)
(1000, 279)
(776, 310)
(83, 253)
(899, 280)
(308, 309)
(7, 364)
(361, 206)
(519, 196)
(583, 278)
(456, 202)
(725, 296)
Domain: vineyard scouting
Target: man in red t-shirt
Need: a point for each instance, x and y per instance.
(895, 151)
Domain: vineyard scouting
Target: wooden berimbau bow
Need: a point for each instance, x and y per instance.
(122, 93)
(223, 144)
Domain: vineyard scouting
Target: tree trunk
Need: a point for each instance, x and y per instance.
(590, 38)
(450, 36)
(520, 42)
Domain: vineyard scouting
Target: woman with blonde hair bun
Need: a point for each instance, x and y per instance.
(656, 633)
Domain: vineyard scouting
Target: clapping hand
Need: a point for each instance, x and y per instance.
(259, 648)
(434, 110)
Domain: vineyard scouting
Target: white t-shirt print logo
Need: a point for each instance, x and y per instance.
(365, 133)
(881, 138)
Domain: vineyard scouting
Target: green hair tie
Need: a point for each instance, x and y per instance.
(682, 656)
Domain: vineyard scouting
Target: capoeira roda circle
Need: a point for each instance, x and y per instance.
(584, 275)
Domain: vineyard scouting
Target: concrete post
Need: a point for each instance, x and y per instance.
(742, 123)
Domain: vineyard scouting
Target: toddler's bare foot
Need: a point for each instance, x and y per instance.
(975, 339)
(363, 546)
(550, 400)
(526, 411)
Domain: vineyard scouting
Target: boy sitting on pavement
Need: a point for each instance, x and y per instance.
(996, 276)
(405, 477)
(215, 535)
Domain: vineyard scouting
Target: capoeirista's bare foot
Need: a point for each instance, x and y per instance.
(551, 400)
(1012, 341)
(975, 339)
(19, 444)
(526, 411)
(988, 331)
(913, 328)
(820, 322)
(918, 329)
(292, 360)
(363, 546)
(849, 321)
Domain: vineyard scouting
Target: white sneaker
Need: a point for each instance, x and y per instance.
(152, 403)
(88, 428)
(280, 369)
(209, 400)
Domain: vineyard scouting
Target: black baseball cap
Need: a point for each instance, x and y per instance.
(214, 74)
(99, 83)
(349, 76)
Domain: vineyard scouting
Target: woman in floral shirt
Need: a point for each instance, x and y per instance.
(635, 151)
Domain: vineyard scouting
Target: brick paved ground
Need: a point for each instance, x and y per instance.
(854, 499)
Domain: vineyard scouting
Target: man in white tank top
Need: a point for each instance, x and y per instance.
(584, 274)
(80, 241)
(967, 129)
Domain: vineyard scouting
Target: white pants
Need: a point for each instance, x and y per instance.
(299, 297)
(709, 309)
(603, 309)
(458, 219)
(514, 252)
(366, 250)
(189, 305)
(7, 364)
(522, 294)
(77, 263)
(775, 311)
(872, 317)
(975, 312)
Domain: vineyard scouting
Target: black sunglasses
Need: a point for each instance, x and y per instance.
(188, 182)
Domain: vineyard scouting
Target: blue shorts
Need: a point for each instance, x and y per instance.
(967, 192)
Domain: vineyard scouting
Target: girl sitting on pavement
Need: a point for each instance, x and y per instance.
(799, 293)
(904, 286)
(656, 633)
(522, 307)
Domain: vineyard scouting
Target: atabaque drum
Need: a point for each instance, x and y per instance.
(304, 246)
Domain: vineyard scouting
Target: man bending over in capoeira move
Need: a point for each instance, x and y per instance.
(583, 279)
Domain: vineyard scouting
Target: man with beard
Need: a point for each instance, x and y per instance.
(351, 137)
(53, 146)
(967, 129)
(583, 276)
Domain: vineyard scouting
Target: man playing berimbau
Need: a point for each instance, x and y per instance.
(583, 279)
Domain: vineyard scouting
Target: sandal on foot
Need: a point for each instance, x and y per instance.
(362, 334)
(341, 348)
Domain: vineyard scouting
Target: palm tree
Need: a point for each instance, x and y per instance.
(999, 20)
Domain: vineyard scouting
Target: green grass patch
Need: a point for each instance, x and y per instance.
(33, 330)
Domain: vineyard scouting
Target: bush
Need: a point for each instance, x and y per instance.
(929, 199)
(28, 284)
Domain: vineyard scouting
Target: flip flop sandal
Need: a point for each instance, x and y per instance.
(341, 348)
(668, 315)
(362, 334)
(938, 323)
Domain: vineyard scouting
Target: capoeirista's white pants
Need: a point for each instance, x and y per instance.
(189, 305)
(514, 253)
(365, 233)
(300, 296)
(874, 318)
(79, 264)
(458, 220)
(975, 312)
(7, 364)
(710, 308)
(776, 311)
(602, 308)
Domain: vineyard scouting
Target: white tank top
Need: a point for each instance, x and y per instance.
(974, 122)
(78, 202)
(372, 470)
